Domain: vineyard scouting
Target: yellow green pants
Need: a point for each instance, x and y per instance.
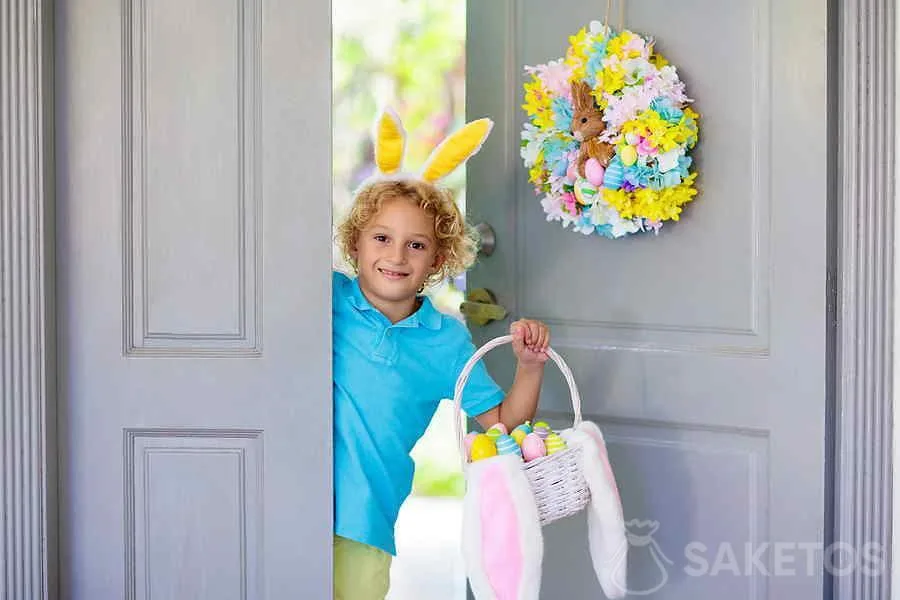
(361, 572)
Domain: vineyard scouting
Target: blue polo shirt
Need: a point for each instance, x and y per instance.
(388, 382)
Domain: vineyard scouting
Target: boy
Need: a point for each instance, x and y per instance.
(396, 357)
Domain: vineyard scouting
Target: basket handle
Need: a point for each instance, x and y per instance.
(464, 377)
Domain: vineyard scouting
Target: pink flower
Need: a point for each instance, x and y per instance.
(568, 199)
(645, 147)
(554, 76)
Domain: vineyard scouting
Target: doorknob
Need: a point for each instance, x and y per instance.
(480, 307)
(487, 240)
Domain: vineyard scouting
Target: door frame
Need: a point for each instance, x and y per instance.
(860, 295)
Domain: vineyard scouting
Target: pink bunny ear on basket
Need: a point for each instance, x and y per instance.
(503, 546)
(606, 524)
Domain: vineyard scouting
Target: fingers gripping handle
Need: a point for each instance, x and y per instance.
(467, 370)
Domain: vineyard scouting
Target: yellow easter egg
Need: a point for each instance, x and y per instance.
(554, 444)
(483, 447)
(628, 154)
(518, 435)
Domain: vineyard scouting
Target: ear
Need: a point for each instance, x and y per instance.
(439, 260)
(456, 149)
(390, 142)
(580, 92)
(607, 539)
(503, 545)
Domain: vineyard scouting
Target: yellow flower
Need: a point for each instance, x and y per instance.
(617, 46)
(613, 79)
(537, 103)
(655, 205)
(536, 173)
(577, 54)
(658, 60)
(597, 92)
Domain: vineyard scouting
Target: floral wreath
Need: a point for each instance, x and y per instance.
(608, 135)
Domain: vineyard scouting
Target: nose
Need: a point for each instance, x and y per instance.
(398, 254)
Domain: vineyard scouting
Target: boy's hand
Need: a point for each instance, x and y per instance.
(530, 342)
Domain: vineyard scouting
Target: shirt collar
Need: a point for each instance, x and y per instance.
(427, 316)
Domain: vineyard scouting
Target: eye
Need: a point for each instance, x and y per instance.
(584, 119)
(379, 237)
(417, 245)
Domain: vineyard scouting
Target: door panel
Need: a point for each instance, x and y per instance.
(195, 415)
(701, 351)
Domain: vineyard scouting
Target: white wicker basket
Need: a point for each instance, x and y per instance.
(557, 481)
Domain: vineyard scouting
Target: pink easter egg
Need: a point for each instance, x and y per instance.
(593, 172)
(571, 173)
(468, 442)
(533, 447)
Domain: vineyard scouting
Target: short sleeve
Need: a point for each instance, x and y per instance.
(481, 392)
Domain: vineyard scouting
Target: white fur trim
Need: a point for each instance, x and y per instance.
(607, 538)
(390, 113)
(530, 534)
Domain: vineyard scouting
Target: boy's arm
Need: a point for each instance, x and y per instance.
(530, 342)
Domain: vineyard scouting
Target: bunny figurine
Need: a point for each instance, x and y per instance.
(587, 125)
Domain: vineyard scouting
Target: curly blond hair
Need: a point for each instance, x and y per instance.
(457, 242)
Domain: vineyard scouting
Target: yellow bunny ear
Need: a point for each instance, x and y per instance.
(390, 141)
(456, 149)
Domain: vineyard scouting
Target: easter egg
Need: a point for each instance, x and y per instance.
(593, 171)
(533, 447)
(585, 193)
(496, 431)
(628, 154)
(554, 444)
(483, 447)
(498, 427)
(614, 176)
(542, 429)
(507, 445)
(470, 437)
(571, 173)
(518, 435)
(526, 427)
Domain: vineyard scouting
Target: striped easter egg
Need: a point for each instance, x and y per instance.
(554, 444)
(615, 175)
(542, 431)
(507, 445)
(519, 433)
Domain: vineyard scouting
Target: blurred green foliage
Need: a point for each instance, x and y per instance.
(409, 54)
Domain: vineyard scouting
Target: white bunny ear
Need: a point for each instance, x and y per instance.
(607, 538)
(390, 142)
(503, 545)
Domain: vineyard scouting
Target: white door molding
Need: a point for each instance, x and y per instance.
(862, 276)
(27, 423)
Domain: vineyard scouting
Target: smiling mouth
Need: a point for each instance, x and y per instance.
(392, 274)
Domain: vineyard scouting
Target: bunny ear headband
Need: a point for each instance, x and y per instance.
(457, 148)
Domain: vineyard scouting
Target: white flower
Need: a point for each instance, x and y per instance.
(553, 207)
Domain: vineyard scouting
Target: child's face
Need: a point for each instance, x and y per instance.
(396, 252)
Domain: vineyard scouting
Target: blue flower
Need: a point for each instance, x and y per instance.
(638, 175)
(562, 113)
(595, 62)
(663, 106)
(555, 151)
(605, 230)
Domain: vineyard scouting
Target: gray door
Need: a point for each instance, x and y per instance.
(700, 352)
(194, 315)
